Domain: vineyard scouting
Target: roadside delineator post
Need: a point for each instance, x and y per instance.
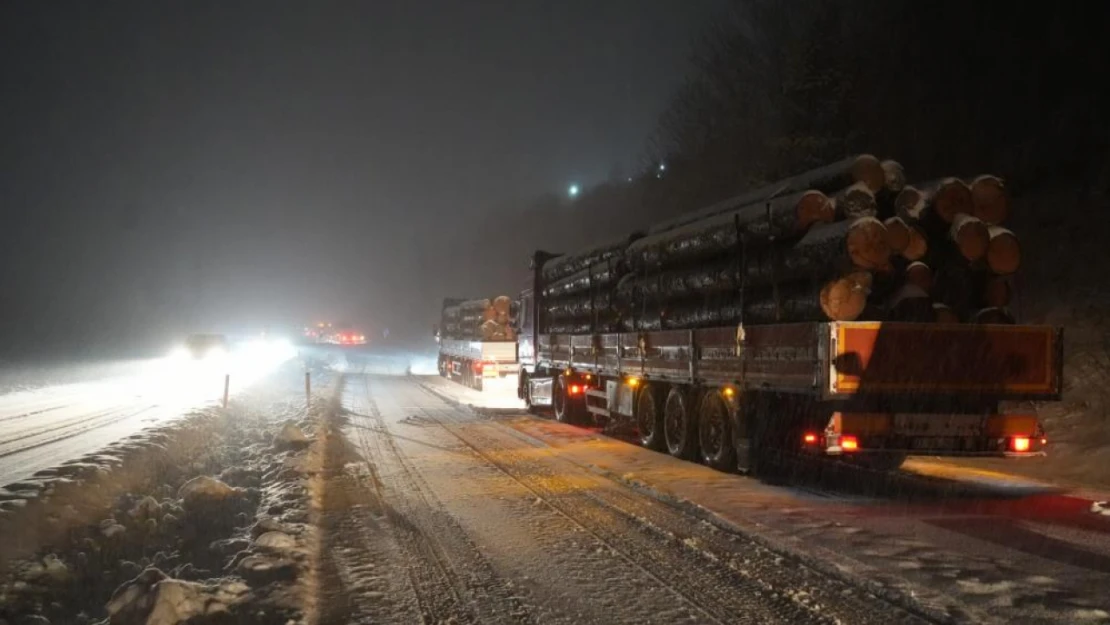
(227, 387)
(307, 387)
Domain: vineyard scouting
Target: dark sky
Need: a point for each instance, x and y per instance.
(171, 165)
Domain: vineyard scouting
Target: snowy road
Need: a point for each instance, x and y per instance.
(493, 516)
(451, 516)
(46, 426)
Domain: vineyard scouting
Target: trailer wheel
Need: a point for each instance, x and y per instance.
(679, 425)
(649, 419)
(566, 409)
(715, 432)
(526, 393)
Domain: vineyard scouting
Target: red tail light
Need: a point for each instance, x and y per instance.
(575, 389)
(1019, 443)
(810, 438)
(849, 443)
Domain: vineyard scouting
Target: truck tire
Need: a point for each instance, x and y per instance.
(567, 410)
(715, 432)
(526, 393)
(680, 426)
(649, 419)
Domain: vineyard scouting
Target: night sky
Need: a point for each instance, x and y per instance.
(176, 166)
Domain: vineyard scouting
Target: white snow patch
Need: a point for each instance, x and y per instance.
(976, 587)
(276, 541)
(1090, 614)
(1101, 507)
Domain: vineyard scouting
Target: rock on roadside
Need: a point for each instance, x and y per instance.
(291, 437)
(204, 490)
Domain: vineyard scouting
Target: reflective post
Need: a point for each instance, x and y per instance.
(227, 387)
(307, 387)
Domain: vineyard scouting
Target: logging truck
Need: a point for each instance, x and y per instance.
(477, 344)
(778, 326)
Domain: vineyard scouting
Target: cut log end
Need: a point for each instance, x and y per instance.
(920, 275)
(989, 200)
(1003, 251)
(998, 316)
(970, 235)
(894, 176)
(844, 299)
(502, 304)
(814, 207)
(897, 234)
(856, 201)
(867, 244)
(868, 170)
(910, 303)
(910, 203)
(918, 245)
(952, 198)
(942, 313)
(997, 292)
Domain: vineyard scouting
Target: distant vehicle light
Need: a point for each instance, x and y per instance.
(810, 438)
(849, 443)
(575, 389)
(1019, 443)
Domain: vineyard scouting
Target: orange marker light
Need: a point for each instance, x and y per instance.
(810, 438)
(633, 382)
(849, 443)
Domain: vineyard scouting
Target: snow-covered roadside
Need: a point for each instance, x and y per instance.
(207, 517)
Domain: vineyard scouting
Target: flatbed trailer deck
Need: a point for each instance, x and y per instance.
(873, 391)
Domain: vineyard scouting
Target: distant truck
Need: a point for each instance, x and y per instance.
(477, 340)
(334, 334)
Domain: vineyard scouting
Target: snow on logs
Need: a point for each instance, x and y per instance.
(721, 235)
(828, 179)
(478, 319)
(849, 240)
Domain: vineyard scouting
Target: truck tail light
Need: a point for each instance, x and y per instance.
(849, 443)
(575, 389)
(809, 438)
(1019, 443)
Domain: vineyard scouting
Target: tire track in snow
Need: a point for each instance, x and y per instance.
(727, 578)
(451, 579)
(85, 423)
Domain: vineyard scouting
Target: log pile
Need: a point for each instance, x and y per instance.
(479, 319)
(852, 240)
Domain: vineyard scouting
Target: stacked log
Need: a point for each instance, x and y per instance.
(478, 319)
(848, 241)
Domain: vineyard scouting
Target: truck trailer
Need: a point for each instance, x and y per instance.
(477, 342)
(737, 384)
